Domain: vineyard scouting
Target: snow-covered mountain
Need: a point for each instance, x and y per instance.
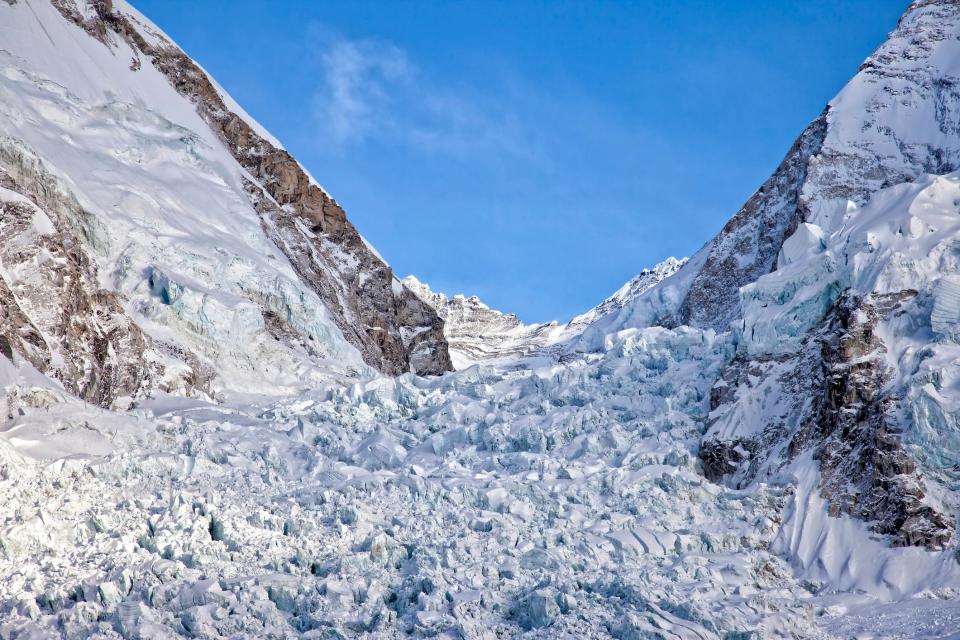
(896, 120)
(840, 343)
(229, 262)
(203, 433)
(476, 333)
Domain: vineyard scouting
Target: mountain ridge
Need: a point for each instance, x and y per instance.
(386, 323)
(477, 333)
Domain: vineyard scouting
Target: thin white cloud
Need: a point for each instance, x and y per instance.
(372, 90)
(360, 80)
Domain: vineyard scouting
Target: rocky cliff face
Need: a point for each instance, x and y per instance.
(867, 471)
(840, 357)
(835, 399)
(394, 329)
(53, 313)
(748, 245)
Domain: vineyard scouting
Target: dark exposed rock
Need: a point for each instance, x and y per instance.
(18, 333)
(6, 350)
(94, 25)
(737, 453)
(833, 397)
(757, 230)
(393, 330)
(722, 458)
(844, 411)
(866, 470)
(59, 320)
(53, 312)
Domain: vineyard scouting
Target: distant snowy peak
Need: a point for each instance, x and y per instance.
(477, 333)
(436, 299)
(640, 284)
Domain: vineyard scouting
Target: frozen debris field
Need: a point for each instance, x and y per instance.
(554, 500)
(562, 499)
(214, 421)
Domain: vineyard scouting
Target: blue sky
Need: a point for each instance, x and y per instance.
(537, 154)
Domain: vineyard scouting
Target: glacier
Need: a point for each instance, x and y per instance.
(222, 415)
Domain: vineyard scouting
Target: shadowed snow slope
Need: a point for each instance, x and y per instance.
(198, 437)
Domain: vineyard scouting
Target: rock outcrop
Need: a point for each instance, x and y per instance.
(833, 398)
(866, 470)
(53, 313)
(153, 237)
(827, 365)
(392, 327)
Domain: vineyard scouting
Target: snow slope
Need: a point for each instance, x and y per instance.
(174, 231)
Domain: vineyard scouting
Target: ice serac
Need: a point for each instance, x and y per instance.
(393, 330)
(897, 119)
